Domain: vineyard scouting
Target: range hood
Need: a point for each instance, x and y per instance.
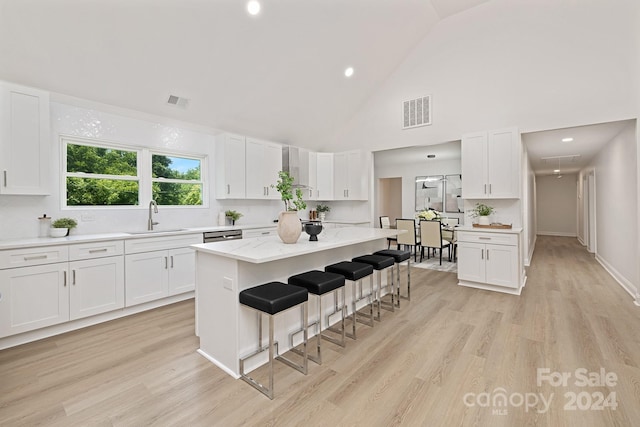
(296, 162)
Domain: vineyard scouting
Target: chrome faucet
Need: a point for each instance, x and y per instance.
(151, 223)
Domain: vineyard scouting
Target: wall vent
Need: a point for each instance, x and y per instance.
(416, 112)
(177, 101)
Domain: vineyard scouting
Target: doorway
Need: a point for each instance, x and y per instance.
(389, 198)
(589, 209)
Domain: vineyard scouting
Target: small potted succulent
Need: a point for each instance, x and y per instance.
(482, 212)
(233, 216)
(61, 227)
(322, 211)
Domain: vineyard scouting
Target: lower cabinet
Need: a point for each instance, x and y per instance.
(259, 232)
(96, 286)
(489, 259)
(33, 297)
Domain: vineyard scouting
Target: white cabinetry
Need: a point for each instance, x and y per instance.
(324, 176)
(259, 232)
(157, 267)
(491, 164)
(24, 140)
(230, 167)
(263, 162)
(490, 260)
(312, 171)
(351, 175)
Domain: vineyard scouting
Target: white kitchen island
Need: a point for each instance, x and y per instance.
(223, 269)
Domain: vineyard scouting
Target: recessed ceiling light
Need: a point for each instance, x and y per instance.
(253, 7)
(348, 72)
(567, 139)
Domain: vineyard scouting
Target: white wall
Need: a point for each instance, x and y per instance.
(556, 205)
(546, 64)
(616, 174)
(19, 213)
(529, 209)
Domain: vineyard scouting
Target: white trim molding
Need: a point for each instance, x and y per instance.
(622, 281)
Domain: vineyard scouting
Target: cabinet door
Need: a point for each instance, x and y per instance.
(502, 265)
(272, 165)
(340, 176)
(230, 167)
(146, 277)
(357, 176)
(324, 177)
(474, 166)
(263, 162)
(471, 261)
(24, 139)
(182, 270)
(33, 297)
(503, 164)
(312, 192)
(97, 286)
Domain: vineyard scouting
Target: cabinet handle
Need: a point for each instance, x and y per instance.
(484, 238)
(93, 251)
(171, 261)
(310, 193)
(228, 188)
(31, 258)
(489, 188)
(65, 279)
(485, 189)
(487, 254)
(5, 177)
(73, 277)
(166, 263)
(481, 253)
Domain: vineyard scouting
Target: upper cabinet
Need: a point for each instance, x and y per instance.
(24, 140)
(324, 176)
(230, 167)
(263, 162)
(491, 164)
(351, 175)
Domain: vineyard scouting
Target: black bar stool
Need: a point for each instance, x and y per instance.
(355, 272)
(320, 283)
(379, 263)
(273, 298)
(400, 256)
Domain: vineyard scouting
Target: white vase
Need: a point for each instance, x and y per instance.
(483, 220)
(322, 215)
(58, 232)
(289, 226)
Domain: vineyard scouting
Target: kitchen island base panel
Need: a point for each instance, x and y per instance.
(226, 329)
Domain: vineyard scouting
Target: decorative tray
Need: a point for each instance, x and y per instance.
(494, 225)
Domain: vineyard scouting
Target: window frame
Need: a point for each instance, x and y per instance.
(144, 156)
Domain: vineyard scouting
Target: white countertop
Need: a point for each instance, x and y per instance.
(271, 248)
(88, 238)
(514, 230)
(346, 221)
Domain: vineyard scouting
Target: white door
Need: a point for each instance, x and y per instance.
(146, 277)
(501, 265)
(471, 262)
(474, 166)
(182, 270)
(97, 286)
(33, 297)
(591, 180)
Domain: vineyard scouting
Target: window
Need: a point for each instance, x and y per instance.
(101, 176)
(176, 180)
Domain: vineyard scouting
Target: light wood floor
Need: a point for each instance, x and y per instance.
(414, 369)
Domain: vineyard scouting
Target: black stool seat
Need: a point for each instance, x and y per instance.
(378, 262)
(273, 297)
(350, 270)
(318, 282)
(398, 255)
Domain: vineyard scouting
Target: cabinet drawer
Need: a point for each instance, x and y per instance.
(147, 244)
(487, 237)
(96, 250)
(33, 256)
(259, 232)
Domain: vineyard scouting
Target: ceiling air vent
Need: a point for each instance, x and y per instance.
(177, 101)
(416, 112)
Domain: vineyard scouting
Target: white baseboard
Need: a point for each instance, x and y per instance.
(581, 241)
(556, 233)
(532, 248)
(622, 281)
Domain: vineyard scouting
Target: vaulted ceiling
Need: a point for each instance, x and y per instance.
(278, 75)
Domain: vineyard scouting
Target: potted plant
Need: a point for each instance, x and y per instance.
(61, 226)
(289, 226)
(233, 216)
(322, 211)
(482, 212)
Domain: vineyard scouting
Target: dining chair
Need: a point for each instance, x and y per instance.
(431, 237)
(449, 234)
(385, 223)
(410, 238)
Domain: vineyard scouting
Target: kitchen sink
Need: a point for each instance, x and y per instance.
(157, 231)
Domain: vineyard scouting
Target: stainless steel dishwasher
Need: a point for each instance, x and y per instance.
(221, 236)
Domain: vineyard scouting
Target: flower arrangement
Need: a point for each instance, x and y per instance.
(285, 188)
(482, 210)
(429, 215)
